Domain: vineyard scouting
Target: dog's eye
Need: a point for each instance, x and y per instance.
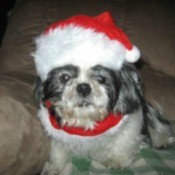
(64, 78)
(101, 79)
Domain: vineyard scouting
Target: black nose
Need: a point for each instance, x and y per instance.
(83, 89)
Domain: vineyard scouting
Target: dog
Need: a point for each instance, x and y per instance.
(88, 105)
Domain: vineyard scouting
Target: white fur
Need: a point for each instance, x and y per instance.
(110, 147)
(77, 46)
(132, 55)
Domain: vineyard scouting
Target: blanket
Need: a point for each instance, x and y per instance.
(148, 161)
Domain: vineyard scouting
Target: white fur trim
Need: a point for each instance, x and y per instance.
(78, 46)
(132, 55)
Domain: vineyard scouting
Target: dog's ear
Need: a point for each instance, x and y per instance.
(157, 128)
(38, 90)
(130, 93)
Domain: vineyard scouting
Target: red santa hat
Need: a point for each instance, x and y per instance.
(84, 41)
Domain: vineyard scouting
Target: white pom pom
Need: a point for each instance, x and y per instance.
(132, 55)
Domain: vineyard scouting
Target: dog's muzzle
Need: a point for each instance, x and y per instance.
(111, 121)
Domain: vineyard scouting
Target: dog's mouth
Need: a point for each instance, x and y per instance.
(83, 104)
(83, 115)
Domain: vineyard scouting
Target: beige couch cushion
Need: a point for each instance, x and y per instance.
(160, 91)
(151, 25)
(21, 134)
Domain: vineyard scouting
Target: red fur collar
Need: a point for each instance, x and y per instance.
(110, 121)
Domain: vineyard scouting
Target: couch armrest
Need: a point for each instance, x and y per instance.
(21, 134)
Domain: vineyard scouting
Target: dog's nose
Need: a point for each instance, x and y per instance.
(83, 89)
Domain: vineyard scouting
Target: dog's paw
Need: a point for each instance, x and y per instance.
(161, 138)
(49, 170)
(120, 162)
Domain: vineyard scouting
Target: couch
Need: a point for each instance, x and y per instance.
(24, 146)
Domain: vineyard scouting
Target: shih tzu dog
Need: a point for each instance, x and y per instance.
(90, 94)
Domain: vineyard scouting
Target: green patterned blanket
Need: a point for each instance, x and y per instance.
(147, 162)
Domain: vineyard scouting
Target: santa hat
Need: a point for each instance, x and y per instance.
(83, 41)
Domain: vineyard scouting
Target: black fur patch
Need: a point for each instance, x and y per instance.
(53, 87)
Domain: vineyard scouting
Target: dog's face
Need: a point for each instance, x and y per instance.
(81, 97)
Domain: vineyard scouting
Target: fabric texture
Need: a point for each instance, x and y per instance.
(80, 33)
(147, 162)
(103, 23)
(21, 133)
